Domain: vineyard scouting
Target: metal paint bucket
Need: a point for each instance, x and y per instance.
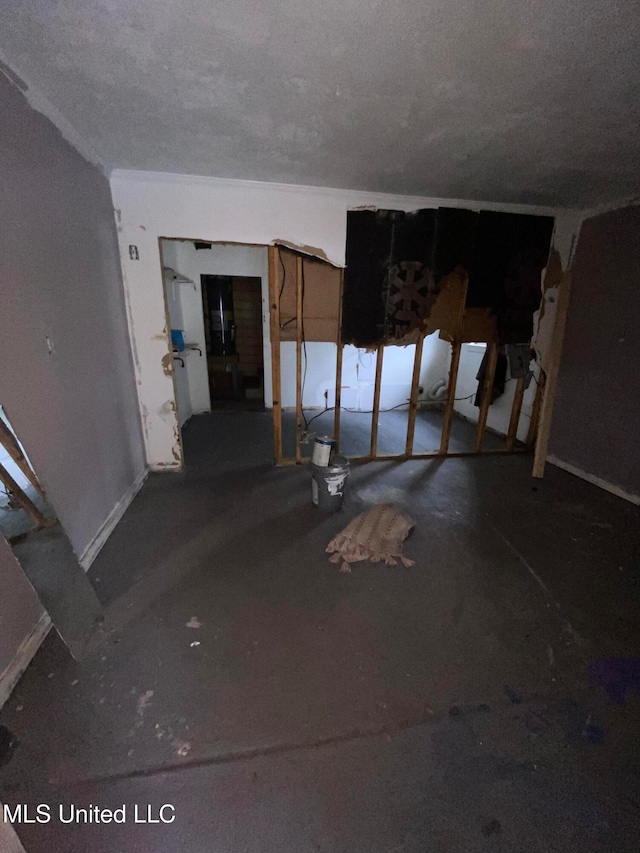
(329, 484)
(322, 447)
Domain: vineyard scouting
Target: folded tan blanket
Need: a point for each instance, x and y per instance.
(375, 535)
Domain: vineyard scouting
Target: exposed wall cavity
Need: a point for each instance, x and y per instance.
(398, 262)
(218, 211)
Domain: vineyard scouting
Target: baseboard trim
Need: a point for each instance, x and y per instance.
(596, 481)
(106, 528)
(23, 657)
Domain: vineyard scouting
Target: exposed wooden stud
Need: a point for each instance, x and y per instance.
(553, 369)
(413, 399)
(535, 411)
(338, 399)
(447, 417)
(11, 445)
(516, 408)
(485, 400)
(19, 497)
(457, 330)
(274, 327)
(376, 401)
(299, 337)
(338, 394)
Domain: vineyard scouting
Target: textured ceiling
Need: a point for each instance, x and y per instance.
(532, 101)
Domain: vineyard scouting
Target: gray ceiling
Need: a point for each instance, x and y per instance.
(532, 101)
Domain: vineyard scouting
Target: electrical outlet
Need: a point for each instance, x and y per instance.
(133, 253)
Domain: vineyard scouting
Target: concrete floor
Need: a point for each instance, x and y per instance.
(355, 432)
(484, 699)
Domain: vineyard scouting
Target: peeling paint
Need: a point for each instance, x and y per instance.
(544, 318)
(176, 450)
(167, 408)
(167, 364)
(312, 251)
(132, 337)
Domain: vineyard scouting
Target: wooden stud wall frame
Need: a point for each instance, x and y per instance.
(338, 394)
(274, 328)
(455, 333)
(413, 399)
(376, 402)
(456, 343)
(299, 334)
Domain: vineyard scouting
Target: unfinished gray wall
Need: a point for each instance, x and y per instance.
(75, 410)
(597, 411)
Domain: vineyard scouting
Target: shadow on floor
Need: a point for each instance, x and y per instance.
(279, 705)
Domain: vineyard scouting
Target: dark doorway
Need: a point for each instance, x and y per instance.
(233, 331)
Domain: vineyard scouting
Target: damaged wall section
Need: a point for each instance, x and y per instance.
(152, 206)
(397, 263)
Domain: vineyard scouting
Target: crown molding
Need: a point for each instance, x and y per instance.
(354, 198)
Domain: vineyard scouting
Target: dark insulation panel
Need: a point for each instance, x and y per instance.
(510, 252)
(379, 243)
(396, 259)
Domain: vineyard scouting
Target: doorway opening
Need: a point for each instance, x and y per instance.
(232, 309)
(216, 299)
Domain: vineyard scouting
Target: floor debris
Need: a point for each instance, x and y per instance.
(182, 747)
(8, 744)
(194, 622)
(376, 535)
(144, 701)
